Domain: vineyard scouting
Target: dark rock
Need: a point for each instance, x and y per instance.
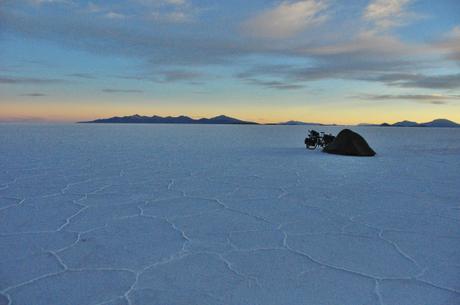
(349, 143)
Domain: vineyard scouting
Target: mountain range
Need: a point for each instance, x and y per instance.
(297, 123)
(139, 119)
(222, 119)
(434, 123)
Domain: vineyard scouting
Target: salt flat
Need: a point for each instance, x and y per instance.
(226, 215)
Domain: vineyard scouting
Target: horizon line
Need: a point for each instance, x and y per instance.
(40, 120)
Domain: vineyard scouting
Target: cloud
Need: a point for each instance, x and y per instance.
(369, 43)
(162, 2)
(437, 102)
(93, 8)
(372, 71)
(172, 17)
(197, 46)
(22, 119)
(286, 19)
(450, 44)
(176, 2)
(34, 94)
(365, 55)
(82, 75)
(169, 11)
(274, 84)
(168, 76)
(173, 52)
(432, 99)
(341, 66)
(110, 90)
(40, 2)
(387, 14)
(114, 15)
(436, 99)
(178, 75)
(162, 11)
(28, 80)
(446, 81)
(104, 11)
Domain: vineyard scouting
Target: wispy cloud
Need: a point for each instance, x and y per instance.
(389, 75)
(340, 66)
(105, 11)
(367, 43)
(114, 15)
(91, 7)
(274, 84)
(431, 99)
(162, 2)
(407, 80)
(82, 75)
(168, 76)
(286, 19)
(28, 80)
(111, 90)
(171, 17)
(387, 14)
(178, 76)
(450, 44)
(162, 11)
(34, 94)
(22, 119)
(435, 99)
(169, 11)
(40, 2)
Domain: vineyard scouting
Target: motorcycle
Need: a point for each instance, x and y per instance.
(318, 139)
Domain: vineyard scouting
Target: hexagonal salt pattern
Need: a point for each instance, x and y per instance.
(226, 215)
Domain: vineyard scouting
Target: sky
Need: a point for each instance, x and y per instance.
(326, 61)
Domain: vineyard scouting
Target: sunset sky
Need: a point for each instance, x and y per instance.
(326, 61)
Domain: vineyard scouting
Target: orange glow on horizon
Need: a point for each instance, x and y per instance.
(74, 112)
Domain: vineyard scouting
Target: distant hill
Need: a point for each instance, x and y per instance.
(297, 123)
(405, 124)
(440, 123)
(139, 119)
(434, 123)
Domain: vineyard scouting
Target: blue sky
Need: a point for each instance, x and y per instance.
(327, 61)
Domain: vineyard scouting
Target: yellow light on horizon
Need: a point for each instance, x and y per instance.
(326, 114)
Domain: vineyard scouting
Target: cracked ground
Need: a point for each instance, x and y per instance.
(226, 215)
